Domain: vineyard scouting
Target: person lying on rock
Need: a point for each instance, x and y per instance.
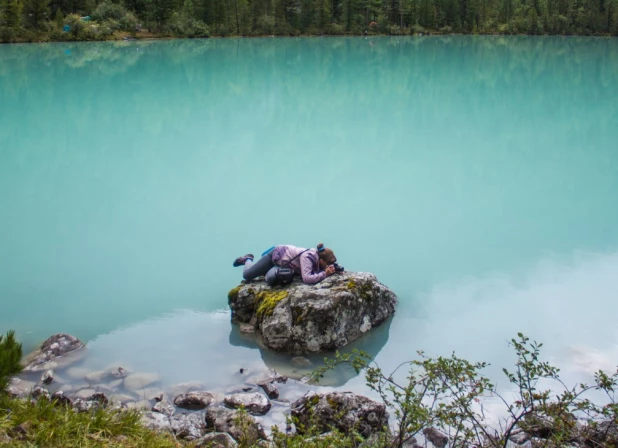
(313, 265)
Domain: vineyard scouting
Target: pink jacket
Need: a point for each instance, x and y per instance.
(306, 265)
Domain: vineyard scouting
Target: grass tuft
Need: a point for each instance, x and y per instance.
(45, 423)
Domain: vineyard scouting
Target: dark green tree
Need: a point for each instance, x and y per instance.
(10, 14)
(36, 12)
(10, 357)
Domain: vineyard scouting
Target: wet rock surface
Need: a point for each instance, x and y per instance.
(47, 377)
(301, 318)
(345, 411)
(164, 408)
(156, 421)
(438, 439)
(56, 346)
(270, 389)
(220, 419)
(194, 400)
(217, 440)
(188, 426)
(255, 403)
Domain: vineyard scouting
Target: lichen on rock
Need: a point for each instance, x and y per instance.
(267, 301)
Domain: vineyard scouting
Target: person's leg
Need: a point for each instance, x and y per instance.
(260, 267)
(271, 276)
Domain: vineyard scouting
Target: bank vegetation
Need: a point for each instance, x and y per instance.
(67, 20)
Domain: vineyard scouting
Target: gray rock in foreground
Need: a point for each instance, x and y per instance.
(345, 411)
(220, 419)
(218, 440)
(54, 347)
(301, 318)
(188, 426)
(156, 421)
(255, 403)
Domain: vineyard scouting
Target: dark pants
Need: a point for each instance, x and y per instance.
(264, 266)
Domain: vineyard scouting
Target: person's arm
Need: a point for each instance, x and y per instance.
(306, 270)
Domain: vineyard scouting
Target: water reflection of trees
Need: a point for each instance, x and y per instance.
(419, 81)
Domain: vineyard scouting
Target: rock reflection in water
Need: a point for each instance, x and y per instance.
(299, 367)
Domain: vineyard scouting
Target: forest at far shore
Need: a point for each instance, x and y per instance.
(76, 20)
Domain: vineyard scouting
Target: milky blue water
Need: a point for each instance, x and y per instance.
(475, 176)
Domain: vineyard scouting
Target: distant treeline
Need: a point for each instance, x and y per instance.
(35, 20)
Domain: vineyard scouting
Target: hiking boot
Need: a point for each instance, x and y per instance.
(242, 260)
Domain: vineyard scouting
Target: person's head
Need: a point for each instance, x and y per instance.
(327, 256)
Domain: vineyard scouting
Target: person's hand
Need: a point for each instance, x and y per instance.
(330, 270)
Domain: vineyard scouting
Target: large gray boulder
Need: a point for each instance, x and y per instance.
(345, 411)
(301, 318)
(57, 346)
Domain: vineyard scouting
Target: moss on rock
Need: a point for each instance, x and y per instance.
(267, 301)
(233, 294)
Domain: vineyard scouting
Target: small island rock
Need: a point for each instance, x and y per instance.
(345, 411)
(54, 347)
(255, 403)
(301, 318)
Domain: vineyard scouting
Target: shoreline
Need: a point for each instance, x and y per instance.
(149, 37)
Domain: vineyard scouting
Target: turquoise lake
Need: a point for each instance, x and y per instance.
(475, 176)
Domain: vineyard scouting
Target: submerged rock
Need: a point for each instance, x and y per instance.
(194, 400)
(301, 318)
(255, 403)
(19, 387)
(55, 347)
(345, 411)
(136, 381)
(220, 419)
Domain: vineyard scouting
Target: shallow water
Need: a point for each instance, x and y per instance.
(475, 176)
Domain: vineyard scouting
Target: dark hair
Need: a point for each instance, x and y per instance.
(326, 255)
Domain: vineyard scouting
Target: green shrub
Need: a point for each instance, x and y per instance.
(265, 25)
(10, 356)
(108, 10)
(416, 29)
(334, 29)
(128, 22)
(183, 25)
(282, 29)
